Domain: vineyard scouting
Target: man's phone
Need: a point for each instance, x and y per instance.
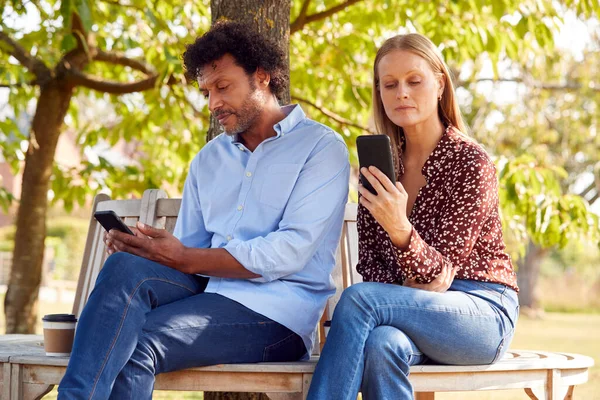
(110, 220)
(375, 150)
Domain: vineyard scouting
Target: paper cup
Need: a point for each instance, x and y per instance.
(59, 331)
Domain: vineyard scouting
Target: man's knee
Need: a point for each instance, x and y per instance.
(118, 268)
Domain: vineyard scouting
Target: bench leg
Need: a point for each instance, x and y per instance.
(425, 396)
(569, 395)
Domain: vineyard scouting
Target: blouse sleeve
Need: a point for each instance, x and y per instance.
(371, 264)
(472, 196)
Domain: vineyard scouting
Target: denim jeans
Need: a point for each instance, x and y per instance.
(379, 330)
(143, 318)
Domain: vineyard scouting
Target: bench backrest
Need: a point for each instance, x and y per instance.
(161, 212)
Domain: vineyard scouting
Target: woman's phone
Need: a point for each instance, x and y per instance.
(110, 220)
(375, 150)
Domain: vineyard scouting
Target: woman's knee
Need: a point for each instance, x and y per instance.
(389, 344)
(355, 298)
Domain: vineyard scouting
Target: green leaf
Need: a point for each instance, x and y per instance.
(66, 8)
(68, 43)
(84, 10)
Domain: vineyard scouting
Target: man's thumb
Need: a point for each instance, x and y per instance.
(148, 230)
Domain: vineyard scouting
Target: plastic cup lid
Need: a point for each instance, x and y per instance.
(59, 318)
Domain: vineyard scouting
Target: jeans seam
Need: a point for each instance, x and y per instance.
(274, 345)
(435, 310)
(212, 324)
(112, 345)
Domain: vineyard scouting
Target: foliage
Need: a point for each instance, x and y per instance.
(330, 60)
(535, 207)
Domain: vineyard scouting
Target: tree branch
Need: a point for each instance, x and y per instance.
(538, 85)
(33, 64)
(298, 24)
(332, 115)
(121, 59)
(299, 21)
(588, 189)
(594, 199)
(18, 84)
(80, 79)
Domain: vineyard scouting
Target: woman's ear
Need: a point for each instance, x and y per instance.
(441, 84)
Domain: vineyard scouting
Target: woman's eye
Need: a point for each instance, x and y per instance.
(414, 82)
(389, 86)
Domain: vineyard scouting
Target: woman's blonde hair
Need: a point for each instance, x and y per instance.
(448, 110)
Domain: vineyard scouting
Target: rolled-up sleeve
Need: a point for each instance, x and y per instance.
(316, 205)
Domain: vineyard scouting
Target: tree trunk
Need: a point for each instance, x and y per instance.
(527, 276)
(270, 17)
(20, 304)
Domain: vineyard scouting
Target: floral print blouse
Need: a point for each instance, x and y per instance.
(455, 222)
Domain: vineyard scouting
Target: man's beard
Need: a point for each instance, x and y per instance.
(245, 116)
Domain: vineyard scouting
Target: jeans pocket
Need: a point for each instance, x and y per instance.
(290, 348)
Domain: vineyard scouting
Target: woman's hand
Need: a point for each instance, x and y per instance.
(388, 206)
(440, 284)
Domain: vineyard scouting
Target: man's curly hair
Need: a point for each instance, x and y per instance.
(249, 48)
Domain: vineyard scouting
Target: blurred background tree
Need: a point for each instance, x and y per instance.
(110, 71)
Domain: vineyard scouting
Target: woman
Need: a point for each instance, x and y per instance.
(439, 285)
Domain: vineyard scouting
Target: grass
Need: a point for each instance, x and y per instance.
(572, 333)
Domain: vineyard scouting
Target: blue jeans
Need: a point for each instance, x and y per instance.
(379, 330)
(143, 318)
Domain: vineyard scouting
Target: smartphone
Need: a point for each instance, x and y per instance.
(375, 150)
(110, 220)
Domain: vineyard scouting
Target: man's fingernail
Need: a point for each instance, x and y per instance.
(141, 224)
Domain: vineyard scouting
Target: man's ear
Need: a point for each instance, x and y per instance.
(263, 78)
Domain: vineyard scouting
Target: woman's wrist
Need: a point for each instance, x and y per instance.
(401, 237)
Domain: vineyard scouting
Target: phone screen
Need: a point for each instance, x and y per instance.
(110, 220)
(375, 150)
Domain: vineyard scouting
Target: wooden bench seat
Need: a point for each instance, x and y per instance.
(26, 373)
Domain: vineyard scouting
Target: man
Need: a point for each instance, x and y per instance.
(246, 274)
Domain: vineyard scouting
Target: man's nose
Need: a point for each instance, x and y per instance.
(214, 102)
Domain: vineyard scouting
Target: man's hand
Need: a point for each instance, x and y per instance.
(153, 244)
(440, 284)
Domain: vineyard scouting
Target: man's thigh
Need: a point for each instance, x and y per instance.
(208, 329)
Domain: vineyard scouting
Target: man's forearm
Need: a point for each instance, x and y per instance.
(212, 262)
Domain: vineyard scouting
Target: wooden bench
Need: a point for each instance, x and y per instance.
(26, 373)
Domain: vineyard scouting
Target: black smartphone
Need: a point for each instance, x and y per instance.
(110, 220)
(375, 150)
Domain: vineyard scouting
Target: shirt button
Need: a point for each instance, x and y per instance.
(248, 174)
(240, 207)
(241, 148)
(229, 237)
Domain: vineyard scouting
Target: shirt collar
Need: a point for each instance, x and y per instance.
(294, 115)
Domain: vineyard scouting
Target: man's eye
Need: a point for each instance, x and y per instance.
(223, 88)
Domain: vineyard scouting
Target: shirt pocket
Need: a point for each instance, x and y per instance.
(278, 184)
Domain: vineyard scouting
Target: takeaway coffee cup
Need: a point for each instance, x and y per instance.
(59, 331)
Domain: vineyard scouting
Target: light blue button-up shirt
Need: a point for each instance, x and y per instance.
(278, 210)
